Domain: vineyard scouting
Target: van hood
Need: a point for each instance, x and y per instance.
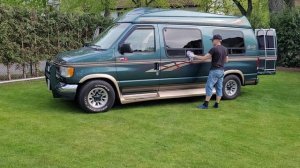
(84, 55)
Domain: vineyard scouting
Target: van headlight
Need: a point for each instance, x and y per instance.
(66, 72)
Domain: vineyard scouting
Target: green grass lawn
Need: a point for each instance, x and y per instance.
(259, 129)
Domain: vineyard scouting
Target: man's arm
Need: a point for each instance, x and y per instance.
(226, 58)
(202, 58)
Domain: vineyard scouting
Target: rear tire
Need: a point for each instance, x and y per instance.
(231, 87)
(96, 96)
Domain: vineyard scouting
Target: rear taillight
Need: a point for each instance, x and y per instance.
(257, 63)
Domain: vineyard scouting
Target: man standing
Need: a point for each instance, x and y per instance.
(218, 55)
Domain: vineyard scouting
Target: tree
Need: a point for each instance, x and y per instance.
(107, 4)
(276, 5)
(26, 3)
(8, 48)
(22, 37)
(279, 5)
(28, 36)
(156, 3)
(214, 6)
(290, 3)
(260, 17)
(88, 6)
(286, 23)
(246, 12)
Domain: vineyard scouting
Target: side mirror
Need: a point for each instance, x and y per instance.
(125, 48)
(86, 44)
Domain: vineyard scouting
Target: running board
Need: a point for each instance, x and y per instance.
(134, 97)
(167, 94)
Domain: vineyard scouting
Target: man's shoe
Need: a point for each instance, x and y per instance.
(202, 106)
(216, 105)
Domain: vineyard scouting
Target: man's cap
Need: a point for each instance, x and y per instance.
(217, 37)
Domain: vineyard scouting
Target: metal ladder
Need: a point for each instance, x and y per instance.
(269, 53)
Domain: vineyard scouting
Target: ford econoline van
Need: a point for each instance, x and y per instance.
(143, 57)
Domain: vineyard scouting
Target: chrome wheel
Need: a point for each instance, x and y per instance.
(231, 87)
(98, 97)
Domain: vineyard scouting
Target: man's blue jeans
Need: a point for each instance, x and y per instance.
(215, 79)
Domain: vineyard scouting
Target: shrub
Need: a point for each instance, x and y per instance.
(287, 24)
(29, 36)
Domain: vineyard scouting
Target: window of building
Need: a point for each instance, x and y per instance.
(180, 40)
(233, 40)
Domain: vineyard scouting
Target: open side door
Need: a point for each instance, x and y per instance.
(267, 47)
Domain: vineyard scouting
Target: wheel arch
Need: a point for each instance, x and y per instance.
(105, 77)
(238, 73)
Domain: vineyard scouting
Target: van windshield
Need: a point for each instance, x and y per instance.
(110, 35)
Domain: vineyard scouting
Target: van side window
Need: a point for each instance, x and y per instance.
(180, 40)
(233, 40)
(142, 40)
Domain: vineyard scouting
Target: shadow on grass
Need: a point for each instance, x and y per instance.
(174, 101)
(162, 102)
(71, 106)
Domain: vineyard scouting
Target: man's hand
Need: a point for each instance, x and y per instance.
(226, 59)
(190, 55)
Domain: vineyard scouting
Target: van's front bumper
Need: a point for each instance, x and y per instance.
(66, 91)
(59, 89)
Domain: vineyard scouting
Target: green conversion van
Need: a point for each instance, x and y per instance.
(143, 57)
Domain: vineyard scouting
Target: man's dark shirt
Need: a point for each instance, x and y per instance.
(218, 57)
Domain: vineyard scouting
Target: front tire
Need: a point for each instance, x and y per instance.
(96, 96)
(231, 87)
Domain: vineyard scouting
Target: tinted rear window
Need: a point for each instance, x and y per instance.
(179, 40)
(233, 40)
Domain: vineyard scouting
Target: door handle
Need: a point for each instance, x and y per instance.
(156, 68)
(123, 59)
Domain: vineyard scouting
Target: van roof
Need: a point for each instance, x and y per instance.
(175, 16)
